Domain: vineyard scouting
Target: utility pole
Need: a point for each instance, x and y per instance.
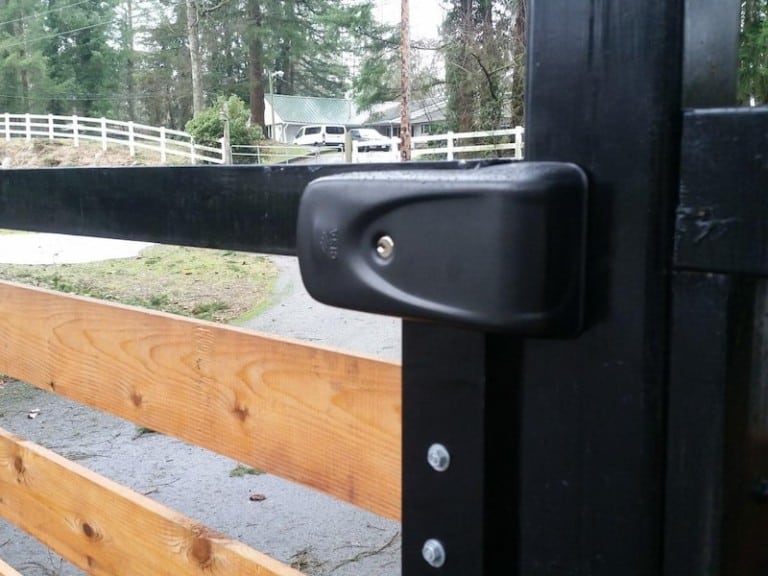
(405, 81)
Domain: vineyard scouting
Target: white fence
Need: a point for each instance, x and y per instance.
(507, 143)
(165, 142)
(174, 144)
(499, 143)
(275, 154)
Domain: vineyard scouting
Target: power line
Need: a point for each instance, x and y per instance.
(97, 97)
(43, 13)
(49, 36)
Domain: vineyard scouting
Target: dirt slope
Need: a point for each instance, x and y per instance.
(39, 153)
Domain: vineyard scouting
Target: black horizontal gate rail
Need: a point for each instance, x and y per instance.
(248, 208)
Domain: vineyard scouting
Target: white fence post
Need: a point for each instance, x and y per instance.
(449, 145)
(7, 126)
(518, 142)
(192, 150)
(103, 134)
(163, 152)
(76, 131)
(131, 140)
(28, 126)
(50, 126)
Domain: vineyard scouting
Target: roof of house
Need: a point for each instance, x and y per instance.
(422, 112)
(312, 110)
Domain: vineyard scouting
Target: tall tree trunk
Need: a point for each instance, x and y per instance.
(129, 64)
(256, 64)
(193, 37)
(405, 81)
(519, 41)
(23, 72)
(286, 62)
(465, 83)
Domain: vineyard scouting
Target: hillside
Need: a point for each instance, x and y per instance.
(19, 153)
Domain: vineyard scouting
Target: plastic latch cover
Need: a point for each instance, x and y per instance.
(501, 248)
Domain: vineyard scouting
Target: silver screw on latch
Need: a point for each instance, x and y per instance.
(433, 553)
(385, 247)
(439, 457)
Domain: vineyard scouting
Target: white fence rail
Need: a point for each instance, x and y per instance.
(165, 142)
(499, 142)
(275, 154)
(506, 143)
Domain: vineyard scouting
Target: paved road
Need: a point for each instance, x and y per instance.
(294, 314)
(340, 158)
(44, 248)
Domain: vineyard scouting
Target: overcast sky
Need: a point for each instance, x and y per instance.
(426, 16)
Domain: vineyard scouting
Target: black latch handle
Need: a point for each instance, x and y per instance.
(499, 248)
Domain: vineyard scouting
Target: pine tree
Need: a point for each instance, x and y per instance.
(23, 71)
(484, 54)
(753, 53)
(81, 61)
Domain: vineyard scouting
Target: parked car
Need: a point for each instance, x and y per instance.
(321, 135)
(369, 140)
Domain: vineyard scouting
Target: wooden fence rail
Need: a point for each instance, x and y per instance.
(251, 397)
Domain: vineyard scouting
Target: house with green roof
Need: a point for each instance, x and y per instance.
(293, 112)
(425, 115)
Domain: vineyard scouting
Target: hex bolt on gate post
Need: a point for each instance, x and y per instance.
(433, 553)
(439, 457)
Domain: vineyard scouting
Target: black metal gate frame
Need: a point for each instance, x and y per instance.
(632, 449)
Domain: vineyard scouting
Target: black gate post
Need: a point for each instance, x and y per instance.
(705, 322)
(459, 403)
(553, 451)
(604, 92)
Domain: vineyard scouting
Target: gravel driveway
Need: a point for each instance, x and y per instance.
(318, 534)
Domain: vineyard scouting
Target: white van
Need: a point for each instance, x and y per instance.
(321, 135)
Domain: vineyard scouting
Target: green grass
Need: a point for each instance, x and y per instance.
(215, 285)
(240, 470)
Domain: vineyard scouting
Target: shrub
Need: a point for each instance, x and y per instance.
(207, 127)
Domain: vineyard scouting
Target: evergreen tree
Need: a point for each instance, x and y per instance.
(225, 49)
(23, 71)
(309, 41)
(484, 54)
(163, 80)
(81, 61)
(753, 53)
(378, 79)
